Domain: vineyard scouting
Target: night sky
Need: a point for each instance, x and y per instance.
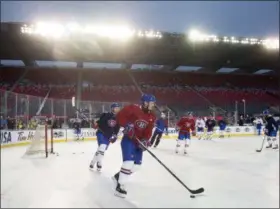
(255, 19)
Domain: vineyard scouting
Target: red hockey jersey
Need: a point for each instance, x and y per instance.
(143, 121)
(186, 124)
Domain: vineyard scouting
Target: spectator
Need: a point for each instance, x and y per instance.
(3, 123)
(241, 121)
(20, 125)
(10, 123)
(248, 119)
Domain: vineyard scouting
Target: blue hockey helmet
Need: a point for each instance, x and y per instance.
(148, 98)
(115, 105)
(266, 112)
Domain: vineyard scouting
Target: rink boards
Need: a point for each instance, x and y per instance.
(22, 137)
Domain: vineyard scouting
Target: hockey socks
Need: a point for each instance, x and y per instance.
(178, 145)
(269, 143)
(209, 136)
(121, 178)
(124, 174)
(98, 157)
(79, 136)
(274, 143)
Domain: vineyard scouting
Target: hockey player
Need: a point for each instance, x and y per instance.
(200, 124)
(222, 127)
(210, 124)
(259, 123)
(266, 111)
(138, 122)
(107, 131)
(159, 129)
(77, 129)
(271, 129)
(94, 123)
(186, 126)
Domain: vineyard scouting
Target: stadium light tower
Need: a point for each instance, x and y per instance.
(244, 103)
(236, 113)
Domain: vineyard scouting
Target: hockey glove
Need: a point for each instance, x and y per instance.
(113, 138)
(129, 131)
(144, 144)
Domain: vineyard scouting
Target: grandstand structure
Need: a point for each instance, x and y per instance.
(194, 72)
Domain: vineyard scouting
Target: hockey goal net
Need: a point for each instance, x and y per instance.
(42, 140)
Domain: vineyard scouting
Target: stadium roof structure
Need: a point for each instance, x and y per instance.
(119, 48)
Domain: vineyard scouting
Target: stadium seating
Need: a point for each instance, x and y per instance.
(188, 89)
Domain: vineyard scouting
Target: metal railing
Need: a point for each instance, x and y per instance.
(20, 105)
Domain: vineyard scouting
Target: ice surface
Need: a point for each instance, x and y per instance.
(231, 171)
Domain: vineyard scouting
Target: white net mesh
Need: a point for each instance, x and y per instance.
(37, 144)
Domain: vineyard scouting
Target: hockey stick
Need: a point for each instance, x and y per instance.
(196, 191)
(259, 150)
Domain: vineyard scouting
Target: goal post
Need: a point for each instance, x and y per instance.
(42, 140)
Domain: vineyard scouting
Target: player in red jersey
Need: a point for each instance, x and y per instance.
(138, 122)
(186, 125)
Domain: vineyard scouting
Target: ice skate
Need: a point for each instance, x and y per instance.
(268, 146)
(120, 191)
(91, 165)
(99, 167)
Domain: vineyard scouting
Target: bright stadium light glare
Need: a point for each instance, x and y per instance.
(195, 35)
(149, 34)
(122, 32)
(212, 36)
(73, 27)
(253, 39)
(58, 31)
(54, 30)
(271, 43)
(114, 32)
(104, 31)
(140, 34)
(41, 28)
(89, 29)
(244, 41)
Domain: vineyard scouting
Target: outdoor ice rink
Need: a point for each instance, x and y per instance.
(231, 171)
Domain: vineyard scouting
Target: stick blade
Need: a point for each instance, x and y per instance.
(198, 191)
